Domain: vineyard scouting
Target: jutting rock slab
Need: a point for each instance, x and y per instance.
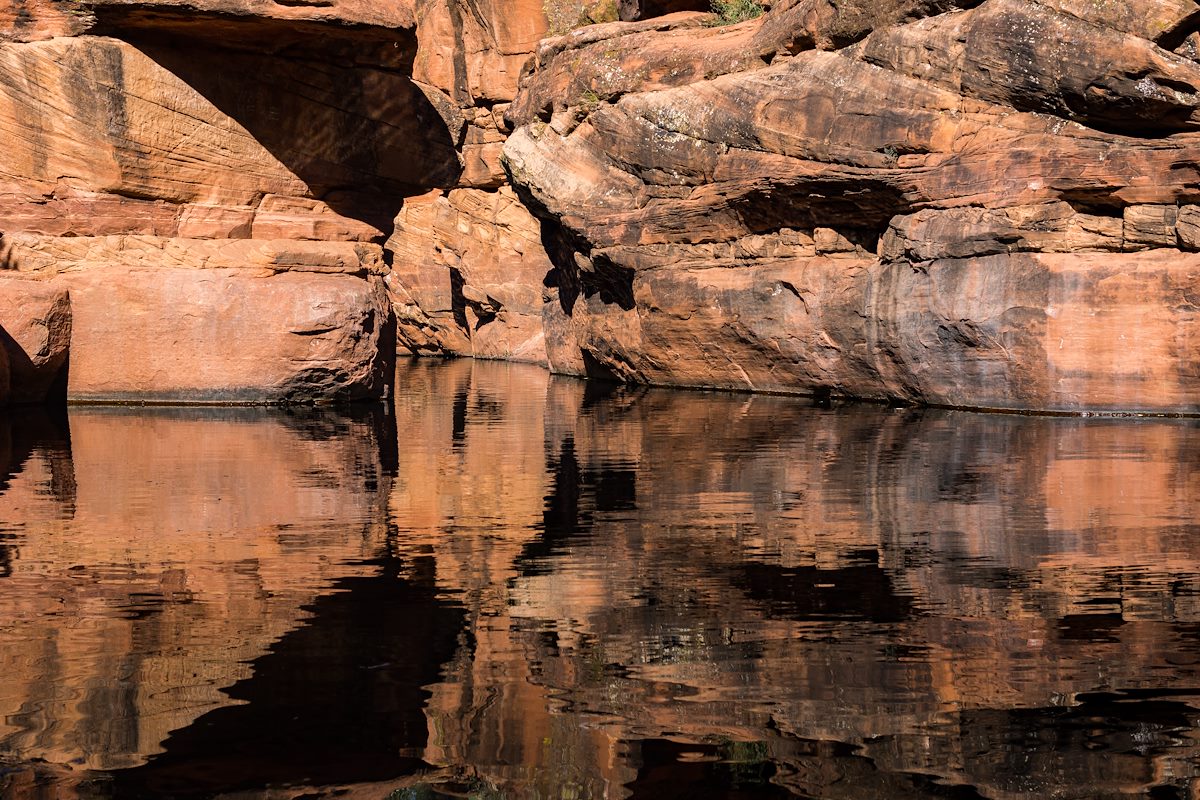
(35, 334)
(223, 336)
(178, 320)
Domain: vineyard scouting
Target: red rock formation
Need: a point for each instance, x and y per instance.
(831, 199)
(184, 176)
(35, 334)
(490, 247)
(695, 204)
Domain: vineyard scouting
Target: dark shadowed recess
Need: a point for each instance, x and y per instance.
(334, 103)
(776, 768)
(576, 274)
(645, 9)
(1105, 745)
(860, 591)
(338, 700)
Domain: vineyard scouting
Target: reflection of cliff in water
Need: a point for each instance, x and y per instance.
(937, 592)
(552, 589)
(336, 701)
(151, 555)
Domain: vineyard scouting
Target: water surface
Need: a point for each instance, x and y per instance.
(512, 585)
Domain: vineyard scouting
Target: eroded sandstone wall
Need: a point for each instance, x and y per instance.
(211, 184)
(986, 203)
(979, 204)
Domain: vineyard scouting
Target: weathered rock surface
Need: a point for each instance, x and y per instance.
(982, 204)
(265, 257)
(226, 335)
(644, 9)
(467, 276)
(211, 177)
(244, 320)
(789, 203)
(106, 137)
(35, 335)
(469, 59)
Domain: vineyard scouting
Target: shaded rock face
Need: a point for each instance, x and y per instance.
(644, 9)
(986, 204)
(5, 379)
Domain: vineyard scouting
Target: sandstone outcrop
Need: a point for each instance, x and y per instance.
(931, 202)
(800, 202)
(35, 334)
(211, 182)
(295, 321)
(490, 247)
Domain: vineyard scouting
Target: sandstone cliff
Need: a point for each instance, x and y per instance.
(988, 206)
(985, 203)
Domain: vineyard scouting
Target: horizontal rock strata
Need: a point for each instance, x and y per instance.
(985, 204)
(896, 200)
(211, 187)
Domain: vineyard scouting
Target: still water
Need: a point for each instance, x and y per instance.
(518, 586)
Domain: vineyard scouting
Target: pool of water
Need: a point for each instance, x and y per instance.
(510, 585)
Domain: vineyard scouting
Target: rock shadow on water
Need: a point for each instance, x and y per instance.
(26, 432)
(338, 700)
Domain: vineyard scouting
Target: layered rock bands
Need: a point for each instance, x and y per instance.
(987, 206)
(984, 203)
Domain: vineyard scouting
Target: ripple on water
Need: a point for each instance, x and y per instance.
(512, 585)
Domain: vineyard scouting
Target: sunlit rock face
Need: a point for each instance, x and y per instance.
(159, 142)
(928, 201)
(35, 335)
(984, 203)
(466, 276)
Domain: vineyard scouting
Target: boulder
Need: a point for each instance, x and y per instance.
(1033, 58)
(35, 335)
(224, 335)
(195, 320)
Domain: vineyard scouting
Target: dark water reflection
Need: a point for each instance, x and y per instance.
(525, 587)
